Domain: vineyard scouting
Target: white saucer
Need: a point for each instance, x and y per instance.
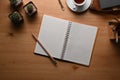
(75, 8)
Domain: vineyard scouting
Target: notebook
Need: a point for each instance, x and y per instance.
(104, 4)
(66, 40)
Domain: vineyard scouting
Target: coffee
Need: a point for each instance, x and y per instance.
(79, 1)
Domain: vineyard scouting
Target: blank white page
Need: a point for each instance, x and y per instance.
(80, 43)
(52, 35)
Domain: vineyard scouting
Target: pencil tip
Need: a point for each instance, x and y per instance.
(55, 63)
(63, 9)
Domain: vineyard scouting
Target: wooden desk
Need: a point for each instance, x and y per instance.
(18, 62)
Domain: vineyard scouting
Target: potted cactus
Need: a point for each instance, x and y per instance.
(30, 8)
(15, 3)
(16, 17)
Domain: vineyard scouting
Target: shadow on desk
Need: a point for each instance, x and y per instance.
(116, 46)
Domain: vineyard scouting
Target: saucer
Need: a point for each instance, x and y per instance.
(75, 8)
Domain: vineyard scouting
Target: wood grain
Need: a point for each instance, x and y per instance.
(18, 62)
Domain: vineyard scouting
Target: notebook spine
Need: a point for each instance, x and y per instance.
(66, 39)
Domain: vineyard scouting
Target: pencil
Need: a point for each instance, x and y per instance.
(46, 51)
(61, 5)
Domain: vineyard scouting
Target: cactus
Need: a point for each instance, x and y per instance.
(15, 17)
(30, 8)
(13, 2)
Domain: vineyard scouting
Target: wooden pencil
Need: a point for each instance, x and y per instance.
(46, 51)
(61, 5)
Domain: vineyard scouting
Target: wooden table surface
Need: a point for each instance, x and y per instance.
(17, 58)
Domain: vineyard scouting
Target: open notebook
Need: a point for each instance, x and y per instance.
(66, 40)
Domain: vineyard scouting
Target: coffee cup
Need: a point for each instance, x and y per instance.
(79, 2)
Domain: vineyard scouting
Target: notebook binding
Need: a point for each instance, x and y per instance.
(66, 39)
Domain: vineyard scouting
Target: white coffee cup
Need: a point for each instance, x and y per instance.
(79, 2)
